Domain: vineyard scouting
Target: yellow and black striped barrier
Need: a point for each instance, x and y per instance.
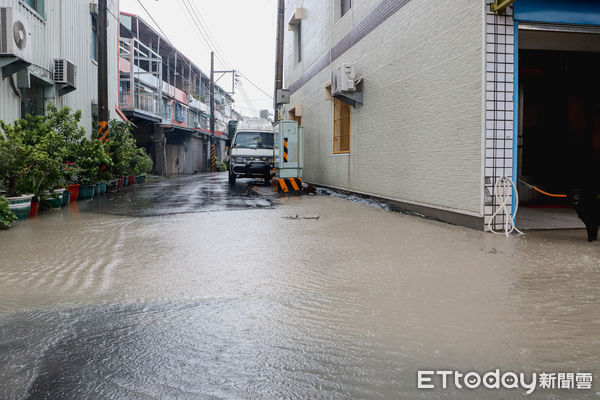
(103, 130)
(289, 185)
(285, 149)
(212, 158)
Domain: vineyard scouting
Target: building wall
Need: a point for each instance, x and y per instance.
(500, 105)
(66, 32)
(418, 138)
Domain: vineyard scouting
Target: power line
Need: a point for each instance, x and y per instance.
(203, 33)
(153, 20)
(204, 25)
(256, 86)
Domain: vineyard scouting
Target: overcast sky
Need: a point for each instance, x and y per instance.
(243, 32)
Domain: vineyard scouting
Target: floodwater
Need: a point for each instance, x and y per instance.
(188, 289)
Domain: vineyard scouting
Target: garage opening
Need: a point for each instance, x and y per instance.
(559, 122)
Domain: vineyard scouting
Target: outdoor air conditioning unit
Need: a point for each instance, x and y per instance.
(343, 79)
(65, 74)
(15, 40)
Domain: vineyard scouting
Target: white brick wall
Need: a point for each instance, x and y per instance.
(500, 77)
(418, 138)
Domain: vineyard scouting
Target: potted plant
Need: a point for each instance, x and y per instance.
(39, 168)
(143, 165)
(92, 158)
(13, 166)
(122, 150)
(7, 217)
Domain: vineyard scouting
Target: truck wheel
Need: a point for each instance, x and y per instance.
(231, 179)
(267, 180)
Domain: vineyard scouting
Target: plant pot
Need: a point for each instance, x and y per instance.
(125, 183)
(74, 189)
(20, 206)
(131, 180)
(35, 205)
(66, 198)
(140, 179)
(101, 187)
(112, 185)
(96, 190)
(53, 200)
(119, 183)
(86, 192)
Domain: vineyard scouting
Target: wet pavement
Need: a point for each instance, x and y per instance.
(187, 288)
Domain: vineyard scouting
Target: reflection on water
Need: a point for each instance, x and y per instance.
(250, 304)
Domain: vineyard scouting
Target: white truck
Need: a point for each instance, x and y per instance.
(251, 154)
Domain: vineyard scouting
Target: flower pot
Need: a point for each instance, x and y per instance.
(34, 209)
(20, 206)
(86, 192)
(96, 190)
(119, 183)
(140, 179)
(66, 198)
(131, 180)
(51, 202)
(101, 187)
(74, 189)
(125, 178)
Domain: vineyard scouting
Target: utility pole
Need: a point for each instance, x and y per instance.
(279, 56)
(103, 111)
(212, 110)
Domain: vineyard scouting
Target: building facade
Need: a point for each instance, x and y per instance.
(55, 61)
(166, 96)
(434, 121)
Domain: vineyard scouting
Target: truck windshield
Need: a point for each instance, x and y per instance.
(254, 140)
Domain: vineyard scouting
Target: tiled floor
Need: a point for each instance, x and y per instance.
(548, 218)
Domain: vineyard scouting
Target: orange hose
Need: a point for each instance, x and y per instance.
(549, 194)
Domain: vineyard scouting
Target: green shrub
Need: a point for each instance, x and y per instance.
(7, 217)
(142, 162)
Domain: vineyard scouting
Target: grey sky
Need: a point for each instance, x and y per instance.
(243, 31)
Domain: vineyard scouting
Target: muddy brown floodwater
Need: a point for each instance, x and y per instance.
(231, 298)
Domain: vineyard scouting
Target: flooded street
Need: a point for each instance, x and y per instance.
(189, 289)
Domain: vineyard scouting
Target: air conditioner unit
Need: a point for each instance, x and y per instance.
(65, 74)
(15, 35)
(343, 79)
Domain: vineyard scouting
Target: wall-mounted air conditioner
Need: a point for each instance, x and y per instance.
(343, 79)
(65, 74)
(15, 41)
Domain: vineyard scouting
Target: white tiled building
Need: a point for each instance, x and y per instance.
(55, 30)
(438, 121)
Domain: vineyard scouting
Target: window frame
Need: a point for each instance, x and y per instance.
(298, 42)
(342, 3)
(337, 102)
(38, 8)
(94, 40)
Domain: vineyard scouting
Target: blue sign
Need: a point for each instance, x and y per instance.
(577, 12)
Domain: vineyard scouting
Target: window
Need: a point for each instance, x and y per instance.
(94, 37)
(180, 113)
(299, 42)
(253, 140)
(346, 5)
(37, 6)
(341, 127)
(32, 100)
(167, 112)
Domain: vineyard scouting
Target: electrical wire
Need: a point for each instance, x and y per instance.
(211, 38)
(503, 189)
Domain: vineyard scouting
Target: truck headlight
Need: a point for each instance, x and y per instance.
(240, 159)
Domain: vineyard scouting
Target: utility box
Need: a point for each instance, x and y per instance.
(288, 150)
